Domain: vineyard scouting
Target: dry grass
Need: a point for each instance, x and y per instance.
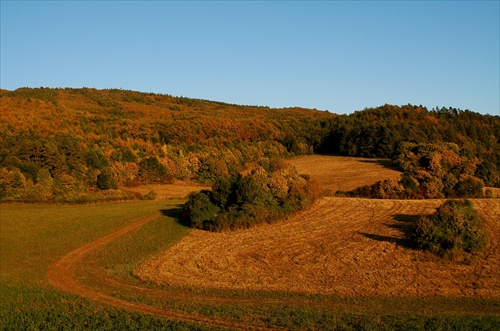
(352, 247)
(495, 192)
(177, 190)
(336, 173)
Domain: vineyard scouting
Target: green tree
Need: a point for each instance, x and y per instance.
(469, 186)
(489, 173)
(44, 184)
(222, 192)
(151, 170)
(96, 159)
(199, 210)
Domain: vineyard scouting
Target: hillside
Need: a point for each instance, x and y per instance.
(77, 145)
(132, 138)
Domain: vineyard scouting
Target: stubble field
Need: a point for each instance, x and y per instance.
(340, 246)
(341, 173)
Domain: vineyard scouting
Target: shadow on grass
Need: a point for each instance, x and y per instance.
(388, 164)
(403, 223)
(176, 214)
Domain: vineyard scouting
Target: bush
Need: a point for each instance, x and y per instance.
(453, 230)
(151, 195)
(199, 209)
(105, 181)
(268, 192)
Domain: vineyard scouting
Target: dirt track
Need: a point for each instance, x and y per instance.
(62, 275)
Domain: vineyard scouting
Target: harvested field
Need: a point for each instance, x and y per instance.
(340, 246)
(344, 173)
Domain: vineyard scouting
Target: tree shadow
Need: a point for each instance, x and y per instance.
(389, 239)
(388, 164)
(176, 214)
(403, 223)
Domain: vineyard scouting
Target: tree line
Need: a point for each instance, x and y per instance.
(70, 144)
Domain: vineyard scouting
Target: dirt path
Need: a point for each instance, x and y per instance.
(62, 275)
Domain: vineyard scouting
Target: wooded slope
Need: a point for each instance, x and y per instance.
(76, 140)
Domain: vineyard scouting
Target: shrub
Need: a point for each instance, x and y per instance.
(105, 181)
(151, 195)
(454, 229)
(199, 210)
(268, 192)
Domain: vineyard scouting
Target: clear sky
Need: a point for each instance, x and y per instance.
(331, 55)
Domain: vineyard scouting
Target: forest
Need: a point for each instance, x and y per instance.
(79, 145)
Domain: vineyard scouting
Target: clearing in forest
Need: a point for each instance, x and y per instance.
(177, 190)
(341, 173)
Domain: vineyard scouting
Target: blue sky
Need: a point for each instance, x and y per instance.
(339, 56)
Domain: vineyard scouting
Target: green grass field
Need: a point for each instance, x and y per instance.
(35, 236)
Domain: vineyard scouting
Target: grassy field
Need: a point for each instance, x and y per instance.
(341, 265)
(34, 236)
